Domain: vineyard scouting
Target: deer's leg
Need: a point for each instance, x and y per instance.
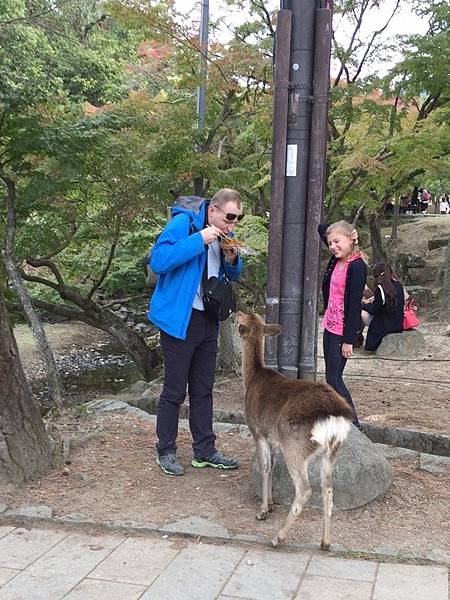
(298, 469)
(265, 456)
(326, 476)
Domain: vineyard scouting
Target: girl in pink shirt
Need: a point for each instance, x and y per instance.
(342, 286)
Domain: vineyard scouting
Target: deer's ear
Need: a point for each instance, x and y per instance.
(272, 329)
(243, 330)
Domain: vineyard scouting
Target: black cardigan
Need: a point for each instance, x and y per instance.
(354, 288)
(384, 320)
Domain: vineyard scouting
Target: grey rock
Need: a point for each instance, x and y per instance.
(106, 405)
(3, 508)
(225, 428)
(74, 518)
(420, 294)
(394, 452)
(139, 387)
(197, 526)
(32, 512)
(149, 405)
(423, 275)
(152, 393)
(361, 474)
(132, 526)
(448, 330)
(401, 345)
(422, 441)
(228, 416)
(415, 260)
(153, 389)
(440, 242)
(244, 431)
(439, 465)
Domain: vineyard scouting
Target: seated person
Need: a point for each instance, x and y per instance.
(384, 313)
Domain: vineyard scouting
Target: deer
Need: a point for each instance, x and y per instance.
(299, 417)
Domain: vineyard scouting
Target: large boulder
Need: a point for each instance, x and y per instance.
(361, 474)
(407, 344)
(415, 261)
(440, 242)
(422, 275)
(420, 294)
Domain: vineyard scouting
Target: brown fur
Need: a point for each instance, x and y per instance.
(282, 412)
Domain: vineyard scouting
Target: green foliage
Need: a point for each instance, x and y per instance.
(98, 122)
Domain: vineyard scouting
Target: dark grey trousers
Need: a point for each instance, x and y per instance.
(334, 366)
(189, 364)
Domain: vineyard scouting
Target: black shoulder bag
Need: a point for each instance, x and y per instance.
(218, 297)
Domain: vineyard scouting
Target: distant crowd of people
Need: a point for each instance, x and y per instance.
(419, 203)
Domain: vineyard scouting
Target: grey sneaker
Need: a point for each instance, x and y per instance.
(217, 461)
(170, 465)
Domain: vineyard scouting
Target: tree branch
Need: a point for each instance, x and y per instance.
(45, 262)
(112, 251)
(224, 114)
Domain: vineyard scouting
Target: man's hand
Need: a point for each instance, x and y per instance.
(230, 255)
(210, 234)
(347, 350)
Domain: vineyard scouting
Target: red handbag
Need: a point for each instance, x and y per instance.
(410, 319)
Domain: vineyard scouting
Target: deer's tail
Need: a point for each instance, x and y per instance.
(330, 432)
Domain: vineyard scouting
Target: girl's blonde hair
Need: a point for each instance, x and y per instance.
(348, 230)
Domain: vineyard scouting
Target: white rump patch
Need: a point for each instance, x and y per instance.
(332, 427)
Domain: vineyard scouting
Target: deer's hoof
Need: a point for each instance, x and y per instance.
(324, 546)
(277, 540)
(262, 515)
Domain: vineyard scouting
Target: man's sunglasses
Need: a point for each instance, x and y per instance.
(230, 216)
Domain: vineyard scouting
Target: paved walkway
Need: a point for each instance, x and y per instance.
(49, 564)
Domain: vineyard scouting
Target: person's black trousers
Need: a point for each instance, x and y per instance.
(334, 366)
(191, 364)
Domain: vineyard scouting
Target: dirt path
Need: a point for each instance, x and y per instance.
(412, 393)
(114, 476)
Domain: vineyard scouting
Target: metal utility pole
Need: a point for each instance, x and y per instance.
(298, 173)
(296, 183)
(279, 134)
(317, 163)
(201, 92)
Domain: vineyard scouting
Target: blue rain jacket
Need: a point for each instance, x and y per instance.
(178, 257)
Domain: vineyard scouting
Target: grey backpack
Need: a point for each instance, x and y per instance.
(191, 202)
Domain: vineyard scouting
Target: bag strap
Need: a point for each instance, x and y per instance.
(205, 268)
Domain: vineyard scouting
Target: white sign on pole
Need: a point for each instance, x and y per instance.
(291, 160)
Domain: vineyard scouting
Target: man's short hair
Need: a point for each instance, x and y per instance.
(225, 195)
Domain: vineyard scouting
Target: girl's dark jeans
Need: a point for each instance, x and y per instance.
(189, 364)
(334, 366)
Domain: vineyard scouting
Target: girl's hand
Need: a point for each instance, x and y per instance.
(347, 350)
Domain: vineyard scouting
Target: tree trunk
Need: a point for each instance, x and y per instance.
(376, 241)
(25, 448)
(445, 310)
(54, 381)
(229, 347)
(393, 240)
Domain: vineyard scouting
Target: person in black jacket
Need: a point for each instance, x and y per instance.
(342, 287)
(385, 313)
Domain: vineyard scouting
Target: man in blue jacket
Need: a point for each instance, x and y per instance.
(188, 335)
